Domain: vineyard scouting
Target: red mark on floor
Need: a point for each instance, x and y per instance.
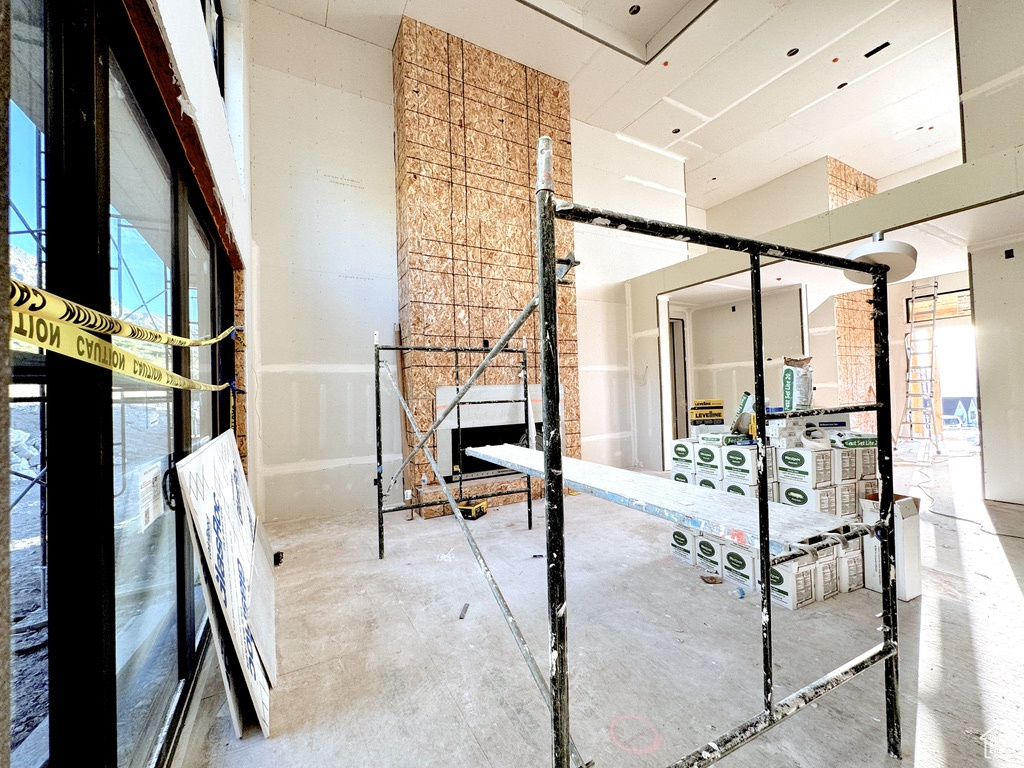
(653, 745)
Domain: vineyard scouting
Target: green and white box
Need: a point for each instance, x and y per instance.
(851, 567)
(708, 554)
(812, 499)
(867, 462)
(684, 542)
(739, 565)
(847, 501)
(740, 489)
(739, 464)
(681, 475)
(792, 583)
(826, 574)
(682, 453)
(708, 459)
(751, 490)
(714, 483)
(807, 467)
(845, 467)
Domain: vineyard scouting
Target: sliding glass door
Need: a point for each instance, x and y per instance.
(107, 614)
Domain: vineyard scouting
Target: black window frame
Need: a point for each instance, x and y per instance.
(80, 37)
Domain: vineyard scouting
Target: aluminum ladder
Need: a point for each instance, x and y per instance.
(918, 422)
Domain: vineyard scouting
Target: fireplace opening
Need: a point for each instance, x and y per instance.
(467, 467)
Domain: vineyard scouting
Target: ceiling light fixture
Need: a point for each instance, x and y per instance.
(899, 256)
(634, 10)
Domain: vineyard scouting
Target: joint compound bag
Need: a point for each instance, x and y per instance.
(797, 388)
(741, 424)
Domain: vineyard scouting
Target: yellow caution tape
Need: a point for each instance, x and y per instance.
(40, 303)
(72, 342)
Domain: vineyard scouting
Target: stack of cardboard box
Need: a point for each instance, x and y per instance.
(810, 474)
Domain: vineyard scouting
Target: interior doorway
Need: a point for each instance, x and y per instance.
(677, 346)
(957, 378)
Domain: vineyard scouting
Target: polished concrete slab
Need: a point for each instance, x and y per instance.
(377, 667)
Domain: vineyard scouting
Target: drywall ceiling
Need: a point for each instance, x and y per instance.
(745, 90)
(942, 245)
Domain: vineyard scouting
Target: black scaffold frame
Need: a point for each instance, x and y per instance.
(549, 209)
(456, 405)
(555, 689)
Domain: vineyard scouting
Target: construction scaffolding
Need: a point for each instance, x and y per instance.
(456, 405)
(777, 541)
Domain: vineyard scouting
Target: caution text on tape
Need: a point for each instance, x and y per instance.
(43, 304)
(73, 342)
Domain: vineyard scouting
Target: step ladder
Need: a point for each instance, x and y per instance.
(918, 422)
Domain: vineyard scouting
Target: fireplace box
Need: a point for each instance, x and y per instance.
(490, 414)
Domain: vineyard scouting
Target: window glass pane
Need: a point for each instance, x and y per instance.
(200, 324)
(141, 252)
(26, 237)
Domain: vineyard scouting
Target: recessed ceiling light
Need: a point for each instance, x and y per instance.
(634, 10)
(792, 51)
(675, 130)
(841, 85)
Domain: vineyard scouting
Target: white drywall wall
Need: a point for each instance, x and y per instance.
(792, 197)
(721, 352)
(991, 75)
(323, 178)
(821, 346)
(607, 174)
(185, 31)
(999, 326)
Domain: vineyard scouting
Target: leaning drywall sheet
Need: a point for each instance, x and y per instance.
(719, 514)
(216, 496)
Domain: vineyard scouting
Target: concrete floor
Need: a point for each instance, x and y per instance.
(376, 667)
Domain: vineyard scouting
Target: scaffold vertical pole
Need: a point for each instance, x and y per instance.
(883, 429)
(553, 490)
(379, 481)
(764, 553)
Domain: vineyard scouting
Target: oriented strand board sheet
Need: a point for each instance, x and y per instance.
(719, 514)
(467, 122)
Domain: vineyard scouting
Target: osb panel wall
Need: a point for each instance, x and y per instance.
(466, 127)
(855, 354)
(241, 433)
(855, 341)
(847, 184)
